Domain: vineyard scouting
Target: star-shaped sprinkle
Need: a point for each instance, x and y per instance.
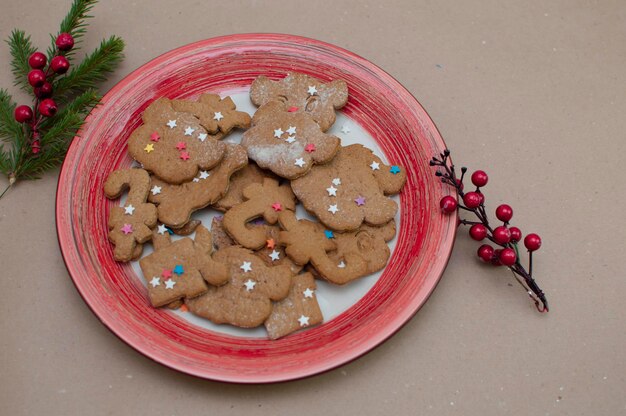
(360, 201)
(219, 218)
(375, 165)
(249, 284)
(204, 174)
(332, 191)
(308, 293)
(155, 190)
(299, 162)
(181, 145)
(189, 131)
(195, 180)
(129, 209)
(345, 129)
(169, 284)
(270, 243)
(218, 116)
(333, 209)
(341, 265)
(178, 269)
(274, 255)
(276, 206)
(166, 273)
(127, 229)
(202, 137)
(149, 148)
(184, 155)
(155, 281)
(162, 229)
(290, 139)
(395, 169)
(171, 124)
(155, 137)
(304, 320)
(309, 148)
(312, 90)
(337, 181)
(291, 130)
(329, 234)
(246, 266)
(278, 132)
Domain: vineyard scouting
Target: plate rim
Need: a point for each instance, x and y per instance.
(274, 378)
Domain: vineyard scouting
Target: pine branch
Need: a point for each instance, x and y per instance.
(75, 24)
(94, 69)
(21, 49)
(65, 124)
(9, 128)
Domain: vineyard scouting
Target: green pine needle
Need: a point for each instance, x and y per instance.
(10, 130)
(75, 24)
(21, 49)
(94, 69)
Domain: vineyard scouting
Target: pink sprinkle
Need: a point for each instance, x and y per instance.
(127, 229)
(184, 155)
(277, 207)
(293, 109)
(155, 137)
(181, 146)
(309, 147)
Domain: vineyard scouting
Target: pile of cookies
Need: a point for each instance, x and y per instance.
(258, 263)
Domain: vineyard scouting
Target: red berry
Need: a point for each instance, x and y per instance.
(532, 242)
(504, 212)
(501, 235)
(479, 178)
(37, 60)
(65, 42)
(448, 204)
(495, 260)
(48, 107)
(60, 64)
(478, 232)
(507, 256)
(516, 234)
(23, 113)
(471, 200)
(44, 91)
(459, 184)
(485, 252)
(36, 77)
(481, 196)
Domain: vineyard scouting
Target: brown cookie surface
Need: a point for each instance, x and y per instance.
(181, 269)
(251, 173)
(244, 301)
(173, 145)
(351, 189)
(130, 225)
(301, 93)
(176, 203)
(298, 310)
(215, 113)
(288, 144)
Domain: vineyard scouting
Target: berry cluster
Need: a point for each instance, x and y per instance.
(504, 237)
(40, 78)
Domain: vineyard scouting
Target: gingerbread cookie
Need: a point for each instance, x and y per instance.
(173, 145)
(130, 225)
(176, 203)
(288, 144)
(306, 242)
(245, 301)
(181, 269)
(298, 310)
(370, 243)
(351, 189)
(251, 173)
(215, 113)
(300, 93)
(265, 200)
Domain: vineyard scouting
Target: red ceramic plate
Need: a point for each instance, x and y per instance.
(378, 103)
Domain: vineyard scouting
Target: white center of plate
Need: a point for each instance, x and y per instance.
(333, 299)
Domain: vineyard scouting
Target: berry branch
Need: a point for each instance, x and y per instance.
(36, 137)
(503, 236)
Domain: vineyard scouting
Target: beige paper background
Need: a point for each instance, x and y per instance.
(534, 92)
